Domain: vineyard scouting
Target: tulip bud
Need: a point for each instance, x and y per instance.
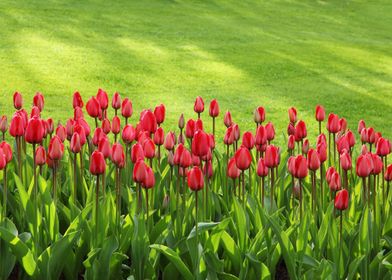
(350, 138)
(128, 134)
(195, 179)
(185, 159)
(271, 156)
(262, 169)
(364, 150)
(371, 135)
(259, 115)
(199, 105)
(270, 130)
(16, 126)
(7, 150)
(116, 125)
(178, 153)
(305, 147)
(214, 108)
(149, 148)
(159, 113)
(300, 167)
(104, 147)
(335, 182)
(388, 173)
(341, 200)
(56, 148)
(106, 126)
(291, 143)
(320, 113)
(103, 99)
(198, 125)
(229, 136)
(328, 175)
(34, 131)
(248, 140)
(3, 124)
(383, 147)
(61, 132)
(333, 123)
(76, 146)
(77, 101)
(361, 126)
(93, 107)
(313, 160)
(38, 101)
(118, 156)
(148, 121)
(343, 124)
(40, 156)
(126, 108)
(227, 119)
(200, 143)
(293, 115)
(345, 161)
(170, 158)
(139, 171)
(343, 144)
(290, 129)
(18, 101)
(377, 164)
(300, 131)
(116, 101)
(261, 136)
(243, 158)
(3, 162)
(170, 141)
(149, 179)
(137, 153)
(364, 166)
(97, 163)
(35, 112)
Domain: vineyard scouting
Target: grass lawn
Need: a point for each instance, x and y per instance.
(244, 53)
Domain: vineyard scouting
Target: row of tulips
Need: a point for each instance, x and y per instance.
(115, 187)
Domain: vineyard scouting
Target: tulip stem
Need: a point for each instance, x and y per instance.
(104, 184)
(272, 186)
(118, 200)
(319, 127)
(374, 196)
(96, 123)
(322, 184)
(139, 195)
(213, 126)
(334, 148)
(75, 178)
(147, 207)
(340, 237)
(5, 192)
(96, 210)
(196, 216)
(364, 189)
(383, 180)
(262, 191)
(300, 198)
(243, 188)
(35, 201)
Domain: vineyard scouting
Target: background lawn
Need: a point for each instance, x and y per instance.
(245, 54)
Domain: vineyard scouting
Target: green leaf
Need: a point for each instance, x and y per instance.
(202, 227)
(175, 259)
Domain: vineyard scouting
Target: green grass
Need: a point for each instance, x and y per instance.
(245, 54)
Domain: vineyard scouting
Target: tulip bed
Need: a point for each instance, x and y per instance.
(122, 198)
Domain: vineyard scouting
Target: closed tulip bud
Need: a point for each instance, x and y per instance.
(40, 156)
(195, 179)
(38, 101)
(93, 107)
(229, 136)
(185, 159)
(291, 143)
(76, 146)
(139, 171)
(195, 160)
(35, 112)
(290, 129)
(98, 134)
(248, 140)
(211, 141)
(335, 182)
(149, 179)
(200, 143)
(34, 131)
(328, 175)
(364, 150)
(116, 101)
(103, 99)
(128, 134)
(106, 126)
(305, 147)
(159, 136)
(97, 163)
(118, 156)
(291, 165)
(343, 124)
(159, 113)
(341, 200)
(77, 101)
(236, 132)
(61, 132)
(181, 122)
(261, 136)
(320, 113)
(78, 113)
(170, 141)
(116, 125)
(293, 115)
(345, 161)
(300, 167)
(388, 173)
(149, 148)
(199, 105)
(181, 138)
(227, 119)
(383, 147)
(198, 125)
(69, 128)
(142, 136)
(214, 108)
(56, 148)
(259, 115)
(50, 125)
(343, 144)
(178, 153)
(364, 166)
(333, 123)
(270, 131)
(18, 101)
(104, 147)
(137, 153)
(3, 161)
(364, 136)
(313, 160)
(350, 138)
(16, 126)
(7, 150)
(24, 116)
(3, 124)
(170, 158)
(377, 136)
(262, 169)
(271, 156)
(300, 131)
(148, 121)
(79, 129)
(361, 126)
(321, 139)
(243, 158)
(377, 164)
(126, 108)
(322, 151)
(371, 135)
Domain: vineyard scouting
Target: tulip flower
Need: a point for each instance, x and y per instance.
(243, 158)
(116, 127)
(227, 119)
(93, 108)
(300, 169)
(196, 183)
(103, 99)
(5, 158)
(106, 126)
(305, 147)
(104, 147)
(18, 100)
(116, 102)
(293, 115)
(34, 131)
(148, 122)
(159, 113)
(262, 171)
(248, 140)
(126, 109)
(77, 100)
(181, 122)
(270, 130)
(3, 125)
(259, 116)
(320, 115)
(214, 112)
(333, 128)
(291, 144)
(232, 170)
(56, 148)
(200, 143)
(39, 101)
(149, 149)
(199, 106)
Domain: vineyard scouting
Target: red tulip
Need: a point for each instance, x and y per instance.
(333, 123)
(3, 162)
(137, 152)
(7, 151)
(126, 108)
(330, 171)
(377, 136)
(261, 136)
(56, 148)
(320, 113)
(97, 163)
(243, 158)
(78, 113)
(290, 129)
(345, 161)
(104, 147)
(364, 150)
(377, 164)
(139, 171)
(227, 119)
(195, 179)
(149, 179)
(142, 136)
(35, 112)
(293, 115)
(199, 105)
(76, 146)
(178, 153)
(106, 126)
(98, 134)
(198, 125)
(61, 132)
(271, 156)
(364, 166)
(128, 134)
(16, 126)
(118, 156)
(93, 107)
(300, 167)
(236, 132)
(116, 101)
(170, 141)
(159, 136)
(361, 126)
(200, 143)
(185, 159)
(159, 113)
(371, 135)
(3, 124)
(270, 130)
(262, 169)
(313, 160)
(148, 121)
(116, 125)
(305, 147)
(343, 144)
(341, 200)
(40, 156)
(322, 151)
(149, 148)
(343, 124)
(335, 182)
(383, 147)
(291, 143)
(190, 129)
(232, 170)
(103, 99)
(214, 108)
(229, 136)
(77, 100)
(259, 115)
(181, 122)
(39, 101)
(34, 131)
(18, 101)
(248, 140)
(300, 131)
(81, 132)
(388, 173)
(350, 138)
